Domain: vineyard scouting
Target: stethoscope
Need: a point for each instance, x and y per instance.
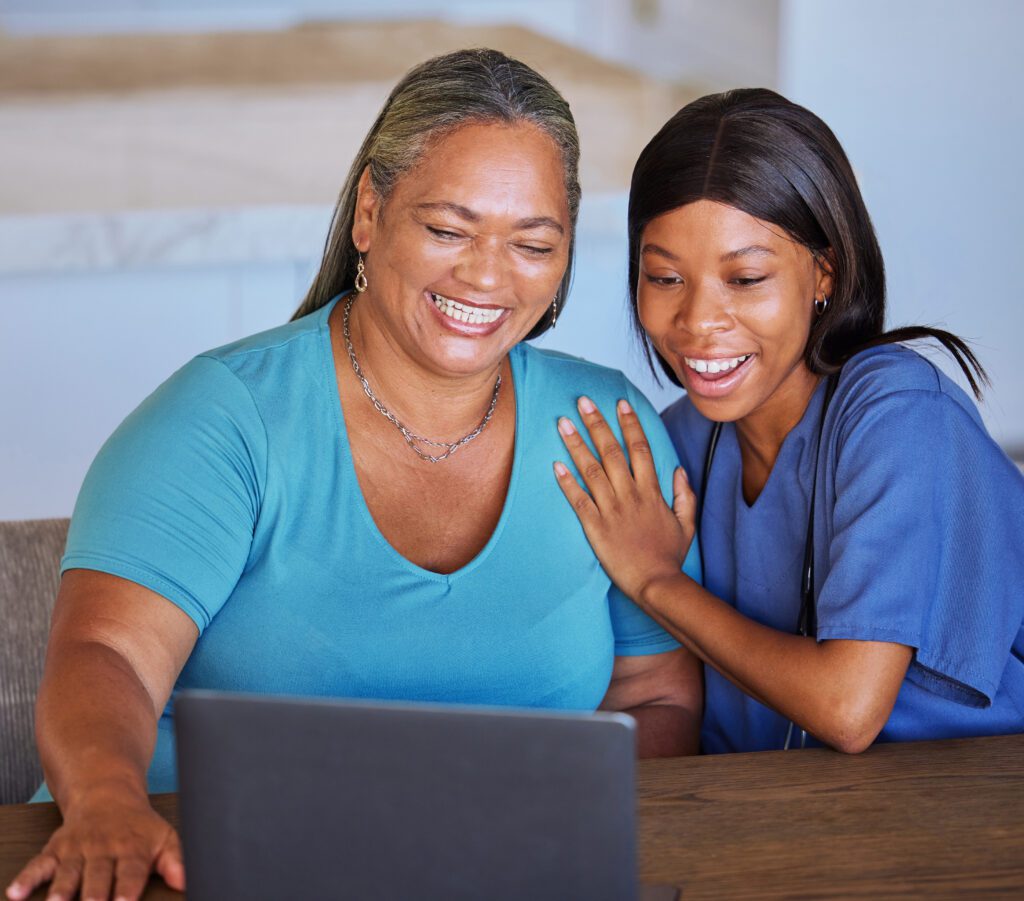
(807, 623)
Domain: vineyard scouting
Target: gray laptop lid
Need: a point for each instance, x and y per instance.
(287, 798)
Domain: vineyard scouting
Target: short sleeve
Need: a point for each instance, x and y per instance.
(927, 543)
(635, 632)
(172, 499)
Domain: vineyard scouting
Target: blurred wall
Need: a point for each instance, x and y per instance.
(922, 94)
(715, 42)
(926, 96)
(80, 349)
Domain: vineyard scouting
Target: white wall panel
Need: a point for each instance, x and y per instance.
(926, 97)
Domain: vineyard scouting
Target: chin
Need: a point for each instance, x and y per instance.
(463, 361)
(717, 410)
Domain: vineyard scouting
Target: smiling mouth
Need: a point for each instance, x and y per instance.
(717, 368)
(462, 312)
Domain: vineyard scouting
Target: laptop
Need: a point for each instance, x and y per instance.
(303, 798)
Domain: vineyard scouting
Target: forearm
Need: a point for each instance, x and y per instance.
(752, 656)
(666, 730)
(824, 687)
(95, 724)
(664, 693)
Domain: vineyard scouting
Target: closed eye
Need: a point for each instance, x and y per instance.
(534, 250)
(443, 233)
(663, 281)
(747, 282)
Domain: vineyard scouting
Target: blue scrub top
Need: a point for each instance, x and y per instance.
(919, 540)
(231, 491)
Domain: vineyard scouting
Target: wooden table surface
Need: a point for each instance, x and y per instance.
(933, 819)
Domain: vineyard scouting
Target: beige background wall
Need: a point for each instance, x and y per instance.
(166, 193)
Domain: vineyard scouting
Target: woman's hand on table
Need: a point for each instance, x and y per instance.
(108, 845)
(637, 537)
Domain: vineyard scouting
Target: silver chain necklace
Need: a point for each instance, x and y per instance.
(411, 438)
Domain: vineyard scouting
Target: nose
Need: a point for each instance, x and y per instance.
(702, 311)
(482, 264)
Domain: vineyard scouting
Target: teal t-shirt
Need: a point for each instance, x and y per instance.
(231, 491)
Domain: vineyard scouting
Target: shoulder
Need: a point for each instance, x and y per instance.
(559, 378)
(896, 411)
(266, 355)
(567, 370)
(228, 389)
(885, 372)
(255, 379)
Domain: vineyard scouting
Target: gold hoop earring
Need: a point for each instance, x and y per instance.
(360, 285)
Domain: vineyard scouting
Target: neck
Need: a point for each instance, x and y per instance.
(760, 434)
(441, 406)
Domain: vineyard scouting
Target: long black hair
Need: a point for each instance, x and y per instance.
(758, 152)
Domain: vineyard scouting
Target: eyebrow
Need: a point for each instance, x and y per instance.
(469, 215)
(753, 250)
(659, 250)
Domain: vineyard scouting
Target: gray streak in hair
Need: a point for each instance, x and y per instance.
(432, 100)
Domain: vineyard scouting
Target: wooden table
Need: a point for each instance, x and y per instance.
(931, 819)
(934, 819)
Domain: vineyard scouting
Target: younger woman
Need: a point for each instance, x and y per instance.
(862, 534)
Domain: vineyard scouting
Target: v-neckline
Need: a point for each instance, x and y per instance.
(331, 382)
(795, 435)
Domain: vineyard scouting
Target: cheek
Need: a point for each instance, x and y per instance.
(539, 281)
(655, 318)
(782, 323)
(799, 330)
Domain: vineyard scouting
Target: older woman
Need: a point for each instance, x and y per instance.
(863, 534)
(350, 505)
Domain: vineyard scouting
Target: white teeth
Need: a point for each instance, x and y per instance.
(462, 313)
(715, 365)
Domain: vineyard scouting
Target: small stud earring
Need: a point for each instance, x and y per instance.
(820, 305)
(360, 285)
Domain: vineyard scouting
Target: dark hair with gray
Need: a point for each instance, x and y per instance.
(432, 100)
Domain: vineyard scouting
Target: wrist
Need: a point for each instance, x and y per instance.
(108, 791)
(653, 593)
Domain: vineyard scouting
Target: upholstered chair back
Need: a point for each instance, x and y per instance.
(30, 552)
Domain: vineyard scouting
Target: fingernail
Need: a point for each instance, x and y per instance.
(587, 405)
(566, 427)
(560, 469)
(624, 408)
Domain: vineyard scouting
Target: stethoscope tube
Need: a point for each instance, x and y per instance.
(807, 622)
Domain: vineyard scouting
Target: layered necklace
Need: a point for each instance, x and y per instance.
(411, 438)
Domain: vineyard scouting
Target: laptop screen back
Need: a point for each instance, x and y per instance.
(310, 798)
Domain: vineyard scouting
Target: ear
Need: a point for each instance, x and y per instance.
(367, 213)
(824, 267)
